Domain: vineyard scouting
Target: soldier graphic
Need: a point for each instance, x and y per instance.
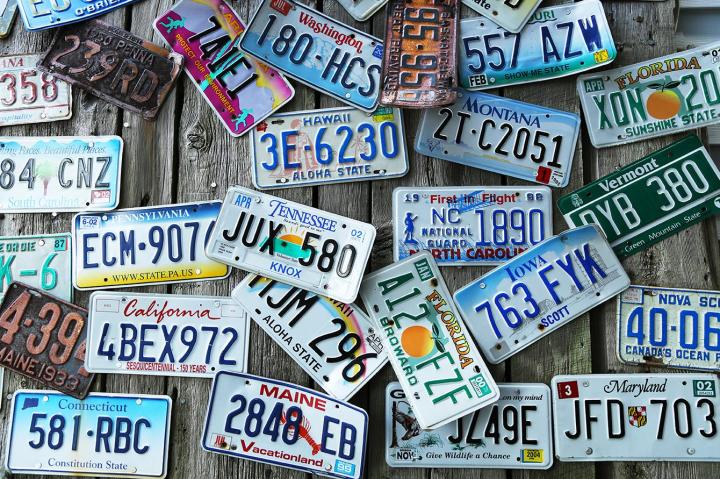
(410, 228)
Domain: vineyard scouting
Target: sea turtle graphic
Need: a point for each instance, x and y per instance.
(173, 24)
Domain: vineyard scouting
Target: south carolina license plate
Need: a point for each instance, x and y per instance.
(8, 12)
(42, 14)
(361, 10)
(511, 15)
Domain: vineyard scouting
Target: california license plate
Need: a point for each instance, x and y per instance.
(540, 291)
(650, 199)
(434, 357)
(511, 15)
(8, 12)
(334, 145)
(361, 10)
(504, 136)
(285, 425)
(317, 50)
(43, 14)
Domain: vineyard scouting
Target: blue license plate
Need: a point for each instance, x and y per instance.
(43, 14)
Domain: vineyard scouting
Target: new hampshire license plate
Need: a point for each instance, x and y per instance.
(511, 15)
(42, 14)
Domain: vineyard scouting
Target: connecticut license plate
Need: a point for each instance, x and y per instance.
(42, 14)
(361, 10)
(511, 15)
(8, 12)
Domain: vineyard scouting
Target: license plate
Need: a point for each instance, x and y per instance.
(144, 246)
(431, 351)
(650, 199)
(60, 173)
(285, 425)
(361, 10)
(110, 435)
(296, 244)
(317, 50)
(8, 12)
(166, 334)
(113, 64)
(43, 14)
(635, 417)
(334, 145)
(540, 291)
(463, 226)
(504, 136)
(241, 91)
(511, 15)
(339, 349)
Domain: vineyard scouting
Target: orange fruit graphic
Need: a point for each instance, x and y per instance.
(417, 341)
(663, 103)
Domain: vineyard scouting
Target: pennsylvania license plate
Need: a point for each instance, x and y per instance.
(8, 12)
(463, 226)
(650, 199)
(361, 10)
(317, 50)
(335, 145)
(511, 15)
(431, 351)
(635, 417)
(540, 291)
(43, 14)
(285, 425)
(504, 136)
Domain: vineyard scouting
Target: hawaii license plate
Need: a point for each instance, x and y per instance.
(8, 12)
(317, 50)
(463, 226)
(361, 10)
(635, 417)
(540, 291)
(650, 199)
(108, 435)
(285, 425)
(335, 145)
(431, 351)
(505, 136)
(511, 15)
(144, 246)
(43, 14)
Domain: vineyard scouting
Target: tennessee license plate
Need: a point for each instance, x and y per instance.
(431, 351)
(361, 10)
(285, 425)
(108, 435)
(650, 199)
(334, 145)
(43, 14)
(144, 246)
(504, 136)
(8, 12)
(241, 91)
(635, 417)
(511, 15)
(317, 50)
(540, 291)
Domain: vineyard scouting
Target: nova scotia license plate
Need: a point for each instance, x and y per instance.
(511, 15)
(361, 10)
(8, 12)
(42, 14)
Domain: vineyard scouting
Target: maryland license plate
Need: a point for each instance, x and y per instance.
(504, 136)
(8, 12)
(43, 14)
(511, 15)
(361, 10)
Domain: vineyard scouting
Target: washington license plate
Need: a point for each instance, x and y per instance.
(8, 12)
(43, 14)
(361, 10)
(511, 15)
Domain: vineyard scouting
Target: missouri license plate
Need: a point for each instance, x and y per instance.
(285, 425)
(43, 14)
(361, 10)
(650, 199)
(511, 15)
(8, 12)
(540, 291)
(504, 136)
(434, 357)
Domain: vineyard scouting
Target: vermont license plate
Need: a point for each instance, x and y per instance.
(8, 12)
(511, 15)
(43, 14)
(504, 136)
(361, 10)
(540, 291)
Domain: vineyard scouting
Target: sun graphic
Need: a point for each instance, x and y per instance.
(417, 341)
(292, 238)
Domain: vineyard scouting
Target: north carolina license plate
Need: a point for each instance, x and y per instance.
(8, 12)
(504, 136)
(108, 435)
(463, 226)
(166, 334)
(241, 91)
(650, 199)
(511, 15)
(144, 246)
(313, 249)
(317, 50)
(55, 174)
(285, 425)
(540, 291)
(42, 14)
(361, 10)
(335, 145)
(431, 351)
(635, 417)
(337, 345)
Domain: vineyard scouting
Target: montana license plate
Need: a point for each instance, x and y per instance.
(361, 10)
(8, 12)
(43, 14)
(511, 15)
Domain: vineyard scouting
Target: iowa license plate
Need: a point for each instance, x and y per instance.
(43, 14)
(8, 12)
(511, 15)
(361, 10)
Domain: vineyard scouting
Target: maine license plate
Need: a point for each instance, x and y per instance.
(59, 173)
(240, 90)
(144, 246)
(431, 351)
(361, 10)
(285, 425)
(635, 417)
(315, 250)
(511, 15)
(334, 145)
(108, 435)
(540, 291)
(317, 50)
(43, 14)
(8, 12)
(650, 199)
(513, 433)
(505, 136)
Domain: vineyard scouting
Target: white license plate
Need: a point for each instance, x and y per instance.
(319, 251)
(8, 12)
(361, 10)
(165, 334)
(635, 417)
(282, 424)
(512, 15)
(337, 344)
(540, 291)
(334, 145)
